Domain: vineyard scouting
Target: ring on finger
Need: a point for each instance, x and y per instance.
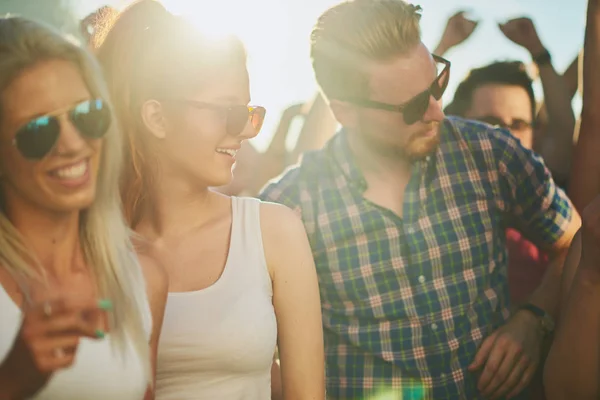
(47, 309)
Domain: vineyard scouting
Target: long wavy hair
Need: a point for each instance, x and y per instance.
(148, 53)
(104, 235)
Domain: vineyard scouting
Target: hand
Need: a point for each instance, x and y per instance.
(522, 32)
(509, 357)
(590, 235)
(48, 339)
(458, 29)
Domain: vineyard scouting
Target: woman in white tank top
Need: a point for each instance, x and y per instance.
(75, 315)
(241, 275)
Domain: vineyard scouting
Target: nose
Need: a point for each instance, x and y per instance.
(248, 132)
(434, 111)
(70, 142)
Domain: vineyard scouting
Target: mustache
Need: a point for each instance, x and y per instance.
(428, 128)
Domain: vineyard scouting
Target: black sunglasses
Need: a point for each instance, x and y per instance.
(516, 124)
(236, 117)
(414, 109)
(38, 137)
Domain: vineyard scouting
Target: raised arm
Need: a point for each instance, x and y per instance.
(557, 145)
(458, 29)
(585, 174)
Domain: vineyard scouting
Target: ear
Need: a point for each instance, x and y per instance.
(345, 113)
(154, 120)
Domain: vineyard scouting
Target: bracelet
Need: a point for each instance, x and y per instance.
(543, 58)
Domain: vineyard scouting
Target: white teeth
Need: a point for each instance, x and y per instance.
(72, 172)
(231, 152)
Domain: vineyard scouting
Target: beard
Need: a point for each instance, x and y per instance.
(416, 147)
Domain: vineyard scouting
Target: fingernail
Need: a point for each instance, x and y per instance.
(99, 334)
(105, 304)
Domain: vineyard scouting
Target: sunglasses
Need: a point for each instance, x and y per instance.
(414, 109)
(38, 137)
(516, 124)
(236, 117)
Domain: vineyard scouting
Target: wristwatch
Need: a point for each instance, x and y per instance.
(546, 321)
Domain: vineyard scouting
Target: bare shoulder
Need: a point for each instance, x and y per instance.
(284, 238)
(277, 220)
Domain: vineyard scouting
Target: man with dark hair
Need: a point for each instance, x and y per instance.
(406, 211)
(501, 94)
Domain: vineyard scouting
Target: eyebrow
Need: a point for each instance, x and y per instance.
(26, 119)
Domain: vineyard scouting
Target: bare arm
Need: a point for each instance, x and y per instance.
(557, 144)
(573, 365)
(458, 29)
(157, 287)
(297, 303)
(585, 174)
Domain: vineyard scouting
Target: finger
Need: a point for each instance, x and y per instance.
(525, 380)
(483, 353)
(491, 367)
(72, 323)
(509, 361)
(67, 344)
(69, 305)
(513, 379)
(51, 362)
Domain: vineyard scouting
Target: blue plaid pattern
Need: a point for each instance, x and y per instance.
(407, 301)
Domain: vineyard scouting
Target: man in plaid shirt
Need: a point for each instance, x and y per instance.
(406, 212)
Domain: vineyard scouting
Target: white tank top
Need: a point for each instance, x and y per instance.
(100, 371)
(219, 342)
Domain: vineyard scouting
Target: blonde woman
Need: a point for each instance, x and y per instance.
(79, 317)
(241, 274)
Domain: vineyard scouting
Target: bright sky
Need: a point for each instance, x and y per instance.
(276, 33)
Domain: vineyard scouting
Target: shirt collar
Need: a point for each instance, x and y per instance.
(339, 149)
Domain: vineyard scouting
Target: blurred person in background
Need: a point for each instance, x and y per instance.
(77, 309)
(501, 94)
(406, 212)
(241, 276)
(573, 365)
(551, 131)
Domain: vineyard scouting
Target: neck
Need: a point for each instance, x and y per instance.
(53, 237)
(375, 164)
(179, 205)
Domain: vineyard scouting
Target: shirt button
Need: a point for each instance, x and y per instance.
(443, 375)
(410, 230)
(434, 327)
(421, 279)
(427, 158)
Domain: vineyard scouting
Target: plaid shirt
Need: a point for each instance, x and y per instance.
(407, 301)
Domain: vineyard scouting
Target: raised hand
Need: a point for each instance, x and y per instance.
(522, 32)
(48, 340)
(458, 29)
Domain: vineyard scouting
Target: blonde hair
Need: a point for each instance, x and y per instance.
(352, 34)
(104, 235)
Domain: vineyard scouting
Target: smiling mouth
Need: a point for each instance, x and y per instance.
(229, 152)
(74, 171)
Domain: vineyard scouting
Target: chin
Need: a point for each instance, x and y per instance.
(421, 148)
(73, 203)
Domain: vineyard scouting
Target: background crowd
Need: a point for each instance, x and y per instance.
(546, 99)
